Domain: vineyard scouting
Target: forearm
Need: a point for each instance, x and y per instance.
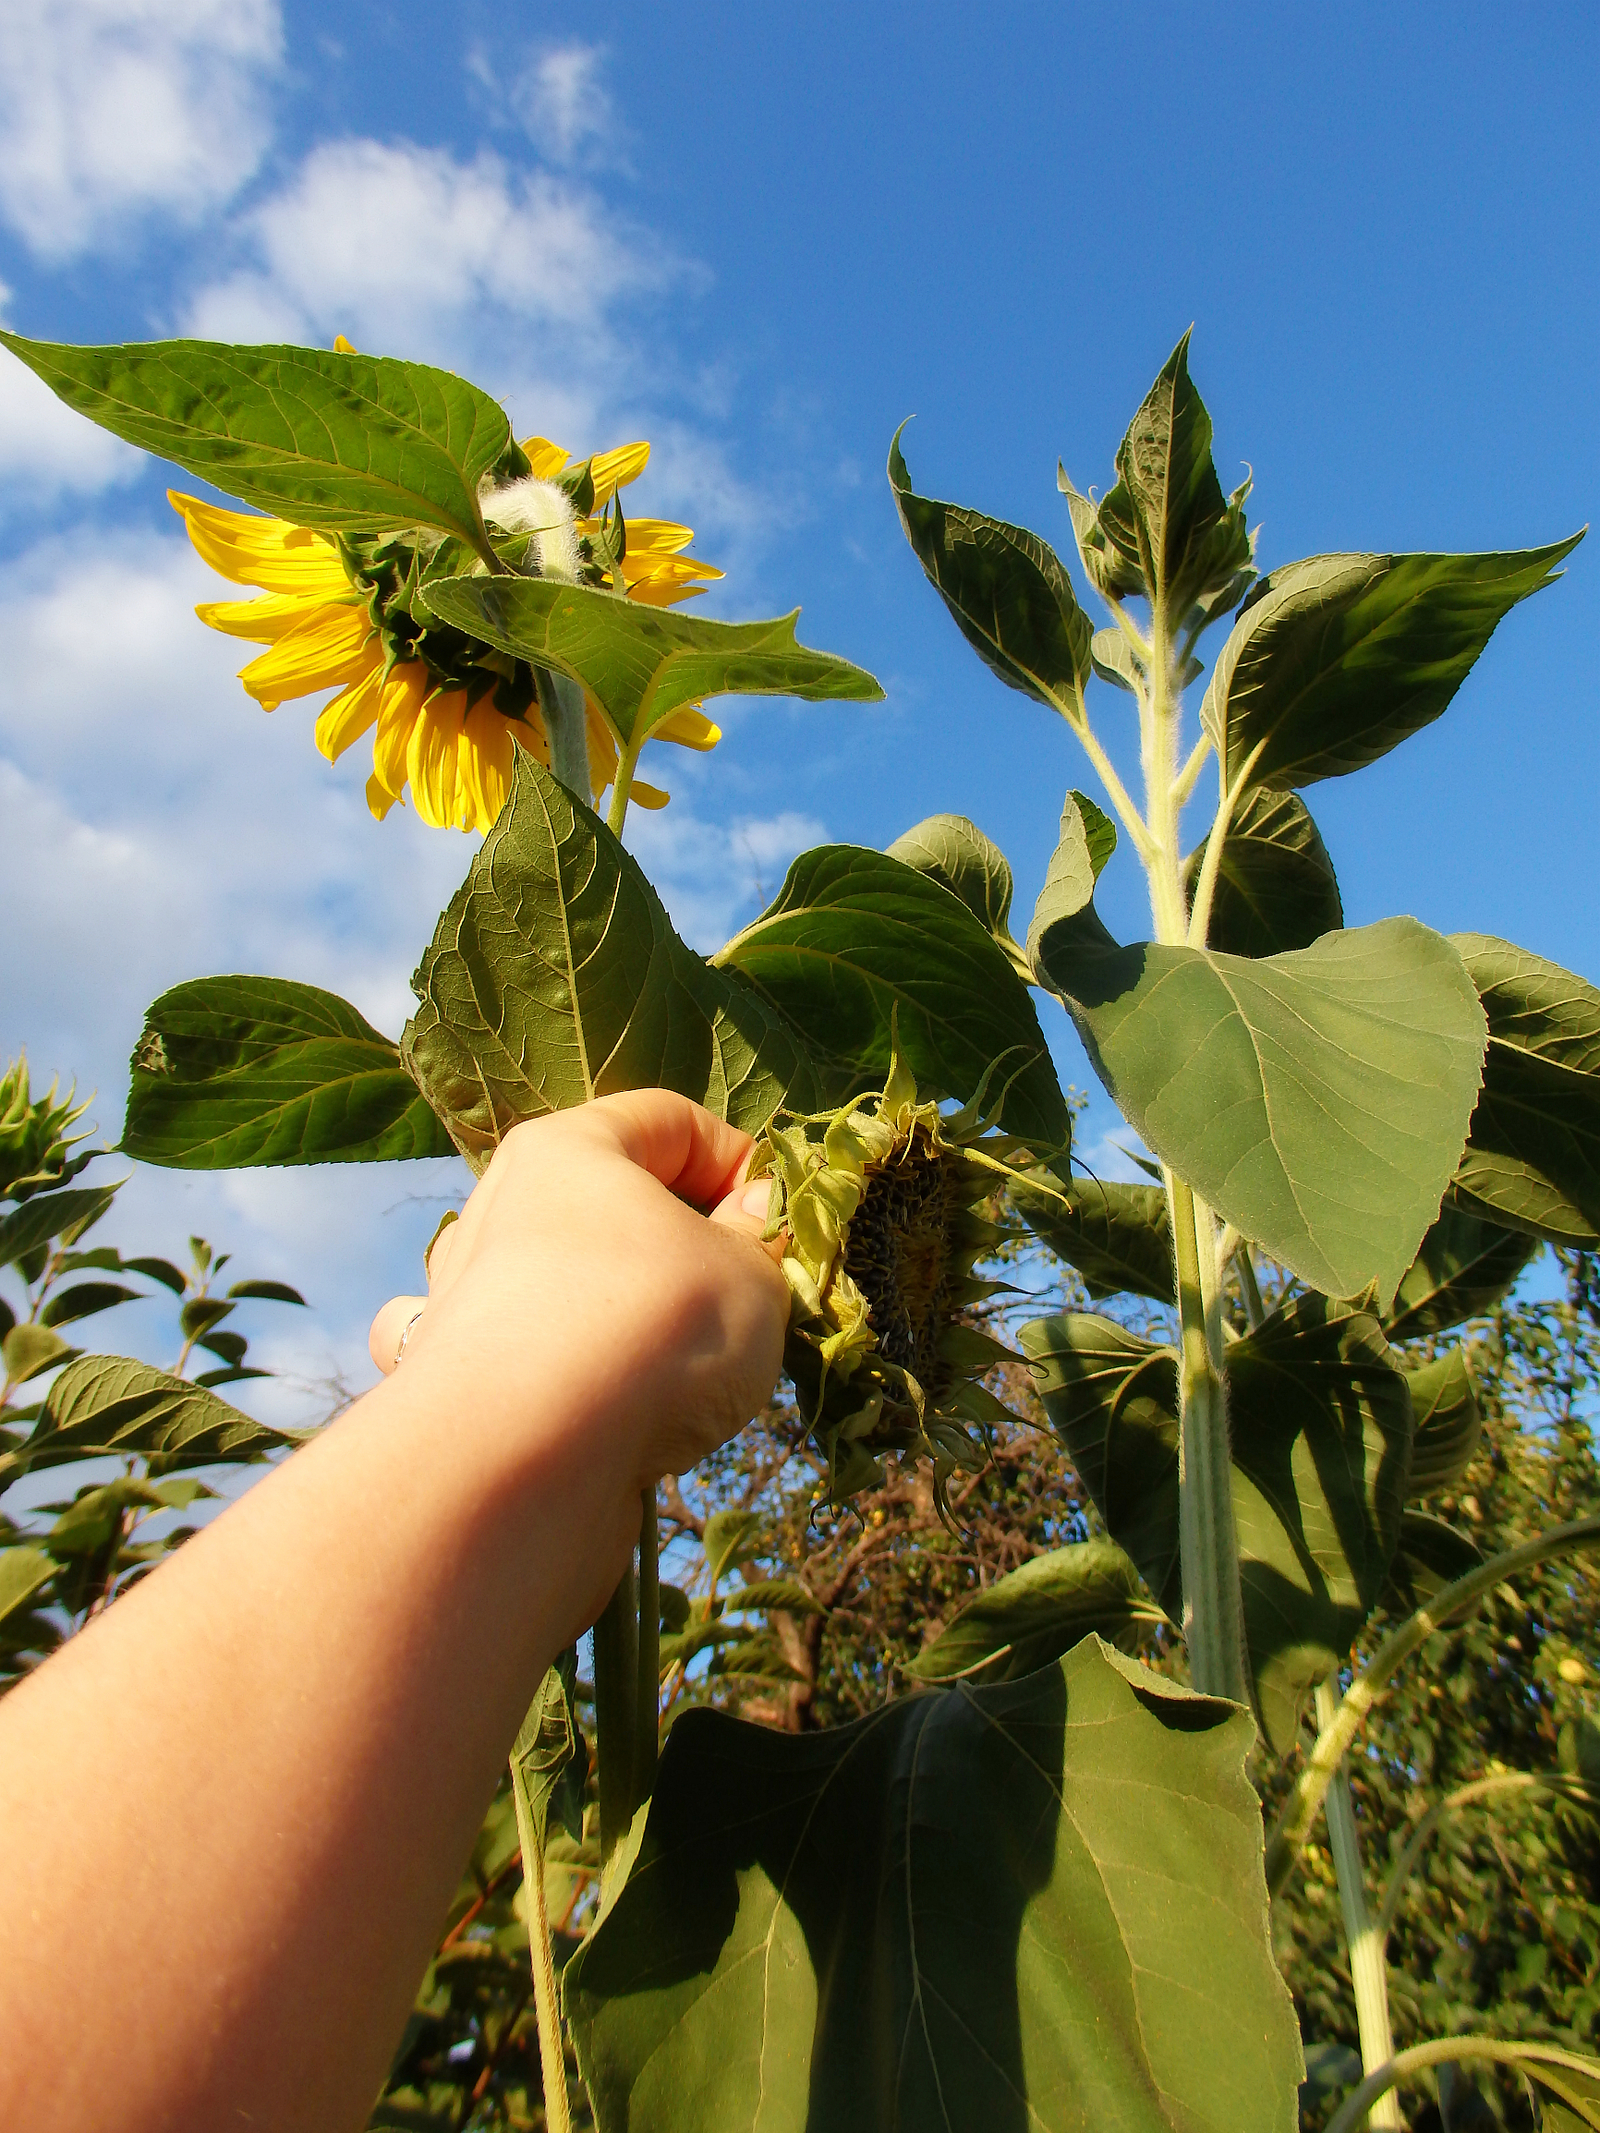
(286, 1742)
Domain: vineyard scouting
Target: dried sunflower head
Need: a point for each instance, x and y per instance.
(881, 1204)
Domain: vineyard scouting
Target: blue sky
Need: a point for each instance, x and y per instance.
(762, 241)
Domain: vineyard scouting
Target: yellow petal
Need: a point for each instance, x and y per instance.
(614, 470)
(264, 620)
(379, 802)
(648, 796)
(483, 769)
(402, 695)
(268, 552)
(342, 347)
(657, 536)
(602, 746)
(431, 756)
(660, 592)
(690, 728)
(545, 460)
(324, 652)
(348, 716)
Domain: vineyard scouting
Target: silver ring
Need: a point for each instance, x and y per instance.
(406, 1335)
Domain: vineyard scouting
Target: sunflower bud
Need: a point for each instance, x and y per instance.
(880, 1204)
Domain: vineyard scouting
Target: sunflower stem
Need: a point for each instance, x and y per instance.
(541, 1958)
(616, 1661)
(566, 722)
(1368, 1969)
(618, 814)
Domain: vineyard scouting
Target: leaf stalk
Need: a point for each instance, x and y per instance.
(1364, 1939)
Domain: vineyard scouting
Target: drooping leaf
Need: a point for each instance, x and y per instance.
(358, 444)
(49, 1216)
(1340, 658)
(1464, 1267)
(730, 1538)
(639, 663)
(1430, 1556)
(555, 976)
(857, 944)
(1065, 910)
(1444, 1406)
(549, 1758)
(1167, 517)
(1112, 657)
(1037, 1613)
(1109, 571)
(773, 1596)
(1320, 1427)
(30, 1350)
(24, 1572)
(957, 853)
(84, 1299)
(1005, 588)
(1318, 1100)
(1532, 1158)
(108, 1405)
(944, 1916)
(266, 1292)
(233, 1072)
(1118, 1236)
(1276, 887)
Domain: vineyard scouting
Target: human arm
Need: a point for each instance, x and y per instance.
(233, 1810)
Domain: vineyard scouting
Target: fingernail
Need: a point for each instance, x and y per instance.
(756, 1198)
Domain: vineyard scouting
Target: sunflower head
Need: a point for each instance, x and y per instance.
(881, 1208)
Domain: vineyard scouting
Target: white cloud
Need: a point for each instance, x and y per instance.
(565, 106)
(45, 447)
(405, 248)
(714, 877)
(110, 109)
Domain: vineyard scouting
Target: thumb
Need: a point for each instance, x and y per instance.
(745, 1209)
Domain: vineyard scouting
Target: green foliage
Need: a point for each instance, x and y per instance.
(351, 443)
(828, 1946)
(1036, 1614)
(1276, 888)
(231, 1072)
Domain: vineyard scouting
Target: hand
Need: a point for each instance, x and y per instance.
(582, 1281)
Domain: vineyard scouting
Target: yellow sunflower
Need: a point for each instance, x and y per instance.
(442, 707)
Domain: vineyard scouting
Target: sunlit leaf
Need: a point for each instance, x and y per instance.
(956, 852)
(84, 1299)
(108, 1405)
(1037, 1613)
(1317, 1100)
(1065, 912)
(360, 444)
(640, 663)
(1005, 589)
(1340, 658)
(948, 1914)
(233, 1072)
(555, 976)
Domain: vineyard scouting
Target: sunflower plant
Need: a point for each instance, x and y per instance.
(1019, 1897)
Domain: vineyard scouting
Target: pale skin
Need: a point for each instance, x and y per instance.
(234, 1809)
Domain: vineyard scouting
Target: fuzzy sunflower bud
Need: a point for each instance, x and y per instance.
(880, 1204)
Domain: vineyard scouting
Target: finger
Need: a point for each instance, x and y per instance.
(697, 1156)
(745, 1209)
(389, 1329)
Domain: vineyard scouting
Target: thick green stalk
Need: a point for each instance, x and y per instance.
(1363, 1936)
(561, 707)
(1448, 2051)
(647, 1725)
(546, 1994)
(616, 1663)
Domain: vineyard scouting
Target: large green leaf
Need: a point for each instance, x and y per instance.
(232, 1072)
(1275, 888)
(1464, 1267)
(1340, 658)
(1005, 588)
(1166, 517)
(108, 1405)
(1038, 1612)
(1118, 1236)
(1320, 1425)
(555, 976)
(957, 853)
(359, 443)
(1532, 1159)
(642, 663)
(858, 944)
(947, 1915)
(1318, 1099)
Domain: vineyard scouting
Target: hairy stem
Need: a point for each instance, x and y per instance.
(1365, 1940)
(1300, 1810)
(566, 723)
(546, 1997)
(627, 763)
(647, 1725)
(1076, 714)
(616, 1663)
